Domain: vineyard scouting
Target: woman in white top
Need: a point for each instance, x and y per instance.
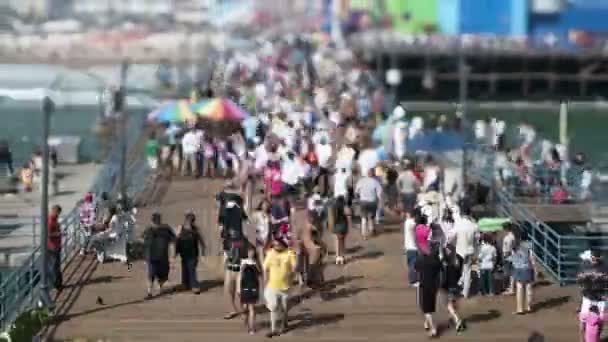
(262, 228)
(341, 183)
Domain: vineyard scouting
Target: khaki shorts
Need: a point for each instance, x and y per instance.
(276, 299)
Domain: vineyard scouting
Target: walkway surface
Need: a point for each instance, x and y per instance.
(19, 213)
(367, 299)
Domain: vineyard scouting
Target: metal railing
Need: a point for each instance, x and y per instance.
(19, 290)
(558, 253)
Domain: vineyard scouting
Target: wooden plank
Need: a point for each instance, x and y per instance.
(368, 301)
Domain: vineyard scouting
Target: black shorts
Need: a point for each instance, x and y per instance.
(368, 209)
(408, 200)
(451, 293)
(158, 270)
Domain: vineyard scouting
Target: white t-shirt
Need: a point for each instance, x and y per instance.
(344, 159)
(508, 244)
(465, 233)
(399, 136)
(340, 186)
(324, 154)
(261, 157)
(335, 117)
(190, 143)
(480, 129)
(290, 172)
(368, 159)
(368, 189)
(409, 234)
(487, 256)
(431, 174)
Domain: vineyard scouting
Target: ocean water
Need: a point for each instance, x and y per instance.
(78, 95)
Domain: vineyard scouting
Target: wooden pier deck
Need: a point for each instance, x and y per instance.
(368, 299)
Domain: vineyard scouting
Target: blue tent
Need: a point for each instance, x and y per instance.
(434, 141)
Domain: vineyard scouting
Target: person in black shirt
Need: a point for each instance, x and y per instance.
(452, 271)
(157, 238)
(428, 266)
(189, 246)
(231, 213)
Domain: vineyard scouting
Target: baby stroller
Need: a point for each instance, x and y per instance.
(113, 244)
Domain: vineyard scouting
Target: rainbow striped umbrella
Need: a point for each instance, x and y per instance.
(220, 110)
(174, 111)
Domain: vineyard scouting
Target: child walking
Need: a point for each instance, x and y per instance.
(487, 263)
(248, 287)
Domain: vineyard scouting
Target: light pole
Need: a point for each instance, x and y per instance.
(47, 109)
(463, 93)
(120, 107)
(393, 78)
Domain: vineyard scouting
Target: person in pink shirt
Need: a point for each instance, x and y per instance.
(593, 321)
(272, 178)
(422, 233)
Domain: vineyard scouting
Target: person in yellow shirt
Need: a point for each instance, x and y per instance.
(279, 267)
(27, 177)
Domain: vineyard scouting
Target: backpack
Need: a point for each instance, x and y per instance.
(249, 279)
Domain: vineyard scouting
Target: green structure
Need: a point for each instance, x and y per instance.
(407, 16)
(412, 16)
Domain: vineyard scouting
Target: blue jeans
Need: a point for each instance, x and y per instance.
(486, 282)
(189, 280)
(411, 257)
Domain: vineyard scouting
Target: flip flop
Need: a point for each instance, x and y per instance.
(519, 313)
(231, 315)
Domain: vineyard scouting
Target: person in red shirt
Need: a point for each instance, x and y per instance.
(54, 247)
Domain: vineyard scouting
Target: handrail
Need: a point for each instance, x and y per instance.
(557, 253)
(19, 290)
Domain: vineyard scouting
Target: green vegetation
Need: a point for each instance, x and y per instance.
(26, 326)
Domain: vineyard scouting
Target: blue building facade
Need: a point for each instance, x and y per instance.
(499, 17)
(578, 23)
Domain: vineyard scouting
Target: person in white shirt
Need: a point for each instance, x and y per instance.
(487, 262)
(324, 154)
(508, 247)
(291, 174)
(410, 247)
(341, 178)
(431, 175)
(345, 158)
(368, 160)
(399, 139)
(369, 192)
(190, 145)
(465, 234)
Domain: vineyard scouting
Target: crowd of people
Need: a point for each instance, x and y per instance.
(530, 166)
(309, 147)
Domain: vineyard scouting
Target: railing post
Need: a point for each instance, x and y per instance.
(544, 244)
(559, 260)
(34, 236)
(31, 277)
